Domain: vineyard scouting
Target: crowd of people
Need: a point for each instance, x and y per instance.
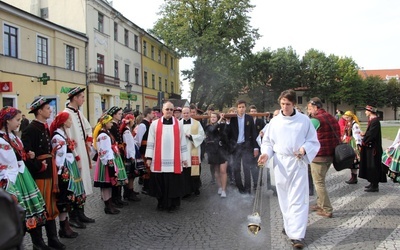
(48, 168)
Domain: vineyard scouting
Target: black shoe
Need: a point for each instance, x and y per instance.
(197, 192)
(116, 204)
(297, 244)
(83, 218)
(352, 181)
(133, 197)
(124, 203)
(368, 186)
(75, 222)
(372, 189)
(186, 196)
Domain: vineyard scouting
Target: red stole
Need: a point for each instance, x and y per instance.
(177, 146)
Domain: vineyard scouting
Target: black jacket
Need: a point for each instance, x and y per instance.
(250, 133)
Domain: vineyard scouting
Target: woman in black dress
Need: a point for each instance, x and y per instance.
(216, 148)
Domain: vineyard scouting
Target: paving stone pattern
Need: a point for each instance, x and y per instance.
(360, 221)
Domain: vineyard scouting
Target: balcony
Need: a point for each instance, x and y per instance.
(95, 77)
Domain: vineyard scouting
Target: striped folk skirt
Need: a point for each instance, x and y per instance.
(31, 199)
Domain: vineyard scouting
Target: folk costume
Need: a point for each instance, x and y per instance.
(284, 136)
(36, 138)
(194, 137)
(81, 133)
(166, 147)
(129, 151)
(114, 131)
(17, 181)
(391, 158)
(107, 172)
(72, 192)
(371, 167)
(141, 141)
(352, 135)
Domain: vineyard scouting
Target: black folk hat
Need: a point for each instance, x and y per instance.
(38, 103)
(74, 91)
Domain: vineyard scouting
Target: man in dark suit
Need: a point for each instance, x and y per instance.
(241, 130)
(259, 124)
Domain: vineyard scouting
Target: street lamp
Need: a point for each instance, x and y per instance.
(128, 88)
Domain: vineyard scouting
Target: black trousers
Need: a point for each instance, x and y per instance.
(242, 156)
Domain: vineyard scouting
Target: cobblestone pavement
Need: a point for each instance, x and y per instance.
(360, 221)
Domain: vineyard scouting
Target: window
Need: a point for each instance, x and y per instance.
(100, 64)
(100, 22)
(126, 72)
(172, 87)
(116, 70)
(136, 42)
(145, 48)
(137, 76)
(165, 60)
(9, 101)
(126, 35)
(115, 31)
(70, 57)
(152, 52)
(159, 56)
(10, 41)
(166, 85)
(153, 81)
(145, 80)
(299, 100)
(159, 84)
(172, 62)
(42, 50)
(100, 68)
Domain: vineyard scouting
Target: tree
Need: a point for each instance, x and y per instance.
(257, 72)
(374, 92)
(285, 70)
(211, 31)
(393, 95)
(319, 74)
(350, 83)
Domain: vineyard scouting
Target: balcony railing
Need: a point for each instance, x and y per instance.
(95, 77)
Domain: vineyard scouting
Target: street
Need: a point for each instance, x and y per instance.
(360, 220)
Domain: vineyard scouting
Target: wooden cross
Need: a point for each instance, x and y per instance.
(228, 115)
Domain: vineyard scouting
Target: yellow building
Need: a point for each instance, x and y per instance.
(116, 54)
(38, 58)
(160, 71)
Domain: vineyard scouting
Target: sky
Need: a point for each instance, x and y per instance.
(368, 31)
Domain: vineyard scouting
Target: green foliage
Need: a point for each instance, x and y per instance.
(285, 70)
(393, 95)
(218, 34)
(320, 75)
(375, 91)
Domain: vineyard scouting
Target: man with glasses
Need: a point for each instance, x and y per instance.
(166, 153)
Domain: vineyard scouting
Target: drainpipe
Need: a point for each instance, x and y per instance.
(141, 68)
(87, 81)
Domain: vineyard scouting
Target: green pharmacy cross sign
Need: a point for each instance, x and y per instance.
(44, 78)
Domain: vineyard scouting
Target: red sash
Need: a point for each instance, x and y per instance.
(177, 146)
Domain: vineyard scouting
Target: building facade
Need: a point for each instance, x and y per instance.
(117, 59)
(38, 58)
(160, 71)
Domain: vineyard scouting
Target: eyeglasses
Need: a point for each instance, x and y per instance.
(167, 109)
